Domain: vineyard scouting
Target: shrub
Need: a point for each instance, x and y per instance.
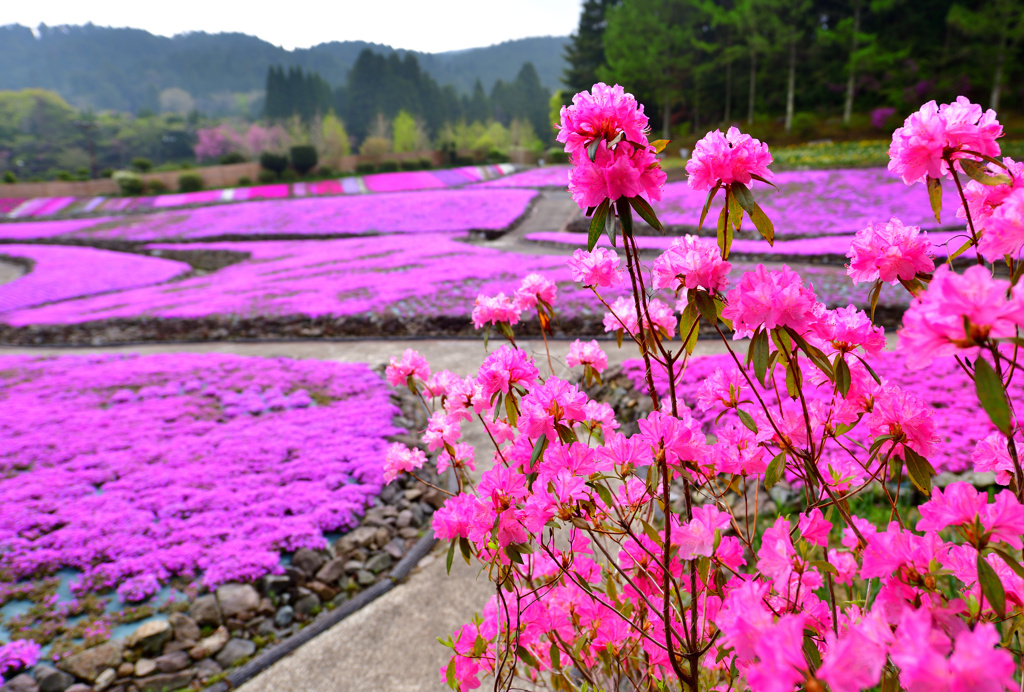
(266, 176)
(365, 167)
(82, 173)
(107, 173)
(389, 166)
(409, 165)
(426, 164)
(156, 187)
(244, 181)
(232, 157)
(496, 156)
(64, 175)
(142, 164)
(326, 172)
(190, 182)
(9, 177)
(275, 163)
(375, 147)
(129, 182)
(289, 176)
(556, 155)
(304, 158)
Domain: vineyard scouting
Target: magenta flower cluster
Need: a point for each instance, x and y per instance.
(134, 469)
(60, 272)
(546, 176)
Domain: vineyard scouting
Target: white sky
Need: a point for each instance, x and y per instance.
(430, 26)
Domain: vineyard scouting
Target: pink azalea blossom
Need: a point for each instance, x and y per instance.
(494, 310)
(889, 252)
(983, 200)
(846, 329)
(691, 262)
(400, 458)
(770, 299)
(723, 387)
(442, 430)
(588, 353)
(602, 113)
(1004, 230)
(681, 437)
(463, 458)
(534, 288)
(624, 171)
(506, 367)
(698, 536)
(412, 364)
(598, 268)
(623, 316)
(854, 660)
(814, 527)
(732, 157)
(990, 455)
(904, 416)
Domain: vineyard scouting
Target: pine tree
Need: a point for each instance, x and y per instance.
(585, 51)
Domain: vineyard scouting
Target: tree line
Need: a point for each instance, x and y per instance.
(696, 63)
(383, 86)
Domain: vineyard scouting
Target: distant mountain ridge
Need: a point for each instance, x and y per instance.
(127, 69)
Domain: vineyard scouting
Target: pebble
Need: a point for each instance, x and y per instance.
(284, 617)
(234, 651)
(364, 578)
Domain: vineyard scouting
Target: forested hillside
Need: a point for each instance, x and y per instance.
(131, 69)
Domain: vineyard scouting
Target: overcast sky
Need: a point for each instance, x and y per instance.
(430, 26)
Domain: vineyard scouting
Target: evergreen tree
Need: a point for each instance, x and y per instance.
(585, 52)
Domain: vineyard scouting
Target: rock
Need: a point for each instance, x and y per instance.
(183, 645)
(185, 628)
(307, 604)
(332, 571)
(275, 584)
(362, 536)
(285, 616)
(266, 607)
(206, 669)
(365, 578)
(379, 562)
(265, 628)
(144, 667)
(354, 565)
(20, 683)
(205, 611)
(104, 679)
(405, 517)
(434, 498)
(237, 600)
(88, 664)
(296, 575)
(324, 592)
(126, 670)
(51, 680)
(165, 681)
(413, 494)
(395, 548)
(235, 651)
(79, 687)
(172, 663)
(151, 636)
(409, 533)
(309, 561)
(210, 645)
(382, 536)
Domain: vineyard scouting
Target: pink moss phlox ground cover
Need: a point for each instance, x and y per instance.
(133, 469)
(944, 243)
(383, 275)
(945, 387)
(9, 204)
(60, 272)
(28, 230)
(819, 202)
(401, 212)
(546, 176)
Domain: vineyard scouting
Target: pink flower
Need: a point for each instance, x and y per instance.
(505, 368)
(854, 660)
(603, 113)
(623, 316)
(624, 171)
(723, 387)
(599, 268)
(906, 418)
(814, 527)
(534, 288)
(556, 402)
(781, 664)
(889, 253)
(442, 430)
(698, 536)
(728, 158)
(493, 310)
(412, 364)
(681, 438)
(933, 326)
(770, 299)
(18, 654)
(1004, 230)
(400, 458)
(775, 558)
(991, 455)
(918, 148)
(983, 200)
(691, 262)
(844, 329)
(589, 353)
(463, 458)
(462, 516)
(977, 664)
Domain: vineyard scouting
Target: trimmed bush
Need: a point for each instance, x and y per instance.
(190, 182)
(389, 166)
(129, 182)
(156, 187)
(64, 175)
(9, 177)
(275, 163)
(244, 181)
(304, 158)
(426, 164)
(266, 176)
(142, 164)
(409, 165)
(326, 172)
(231, 157)
(365, 167)
(289, 176)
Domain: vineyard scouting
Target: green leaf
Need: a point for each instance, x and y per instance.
(707, 206)
(526, 657)
(513, 554)
(556, 658)
(876, 291)
(467, 550)
(843, 379)
(1010, 561)
(603, 493)
(991, 586)
(592, 149)
(597, 224)
(511, 410)
(652, 533)
(824, 566)
(659, 145)
(935, 197)
(975, 170)
(815, 354)
(742, 194)
(625, 217)
(706, 305)
(773, 474)
(811, 651)
(538, 449)
(794, 380)
(724, 232)
(747, 420)
(689, 328)
(984, 157)
(449, 674)
(766, 182)
(759, 347)
(992, 395)
(646, 212)
(451, 556)
(763, 224)
(919, 470)
(735, 210)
